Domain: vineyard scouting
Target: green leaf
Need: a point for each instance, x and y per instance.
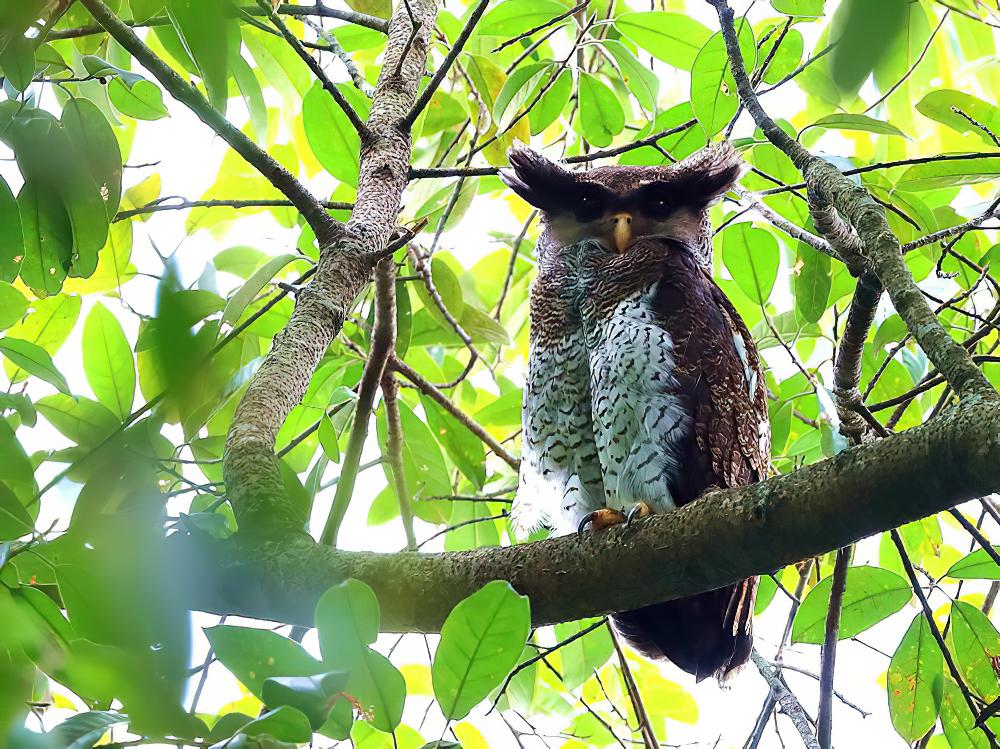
(85, 422)
(938, 106)
(864, 33)
(975, 566)
(713, 93)
(845, 121)
(601, 114)
(585, 654)
(482, 328)
(801, 8)
(17, 60)
(48, 240)
(752, 257)
(481, 641)
(142, 100)
(347, 617)
(251, 92)
(107, 361)
(239, 301)
(957, 720)
(464, 448)
(674, 38)
(14, 518)
(34, 360)
(12, 305)
(976, 642)
(240, 260)
(331, 135)
(88, 129)
(11, 237)
(812, 283)
(636, 76)
(15, 469)
(255, 655)
(516, 88)
(284, 723)
(872, 595)
(85, 730)
(143, 10)
(552, 103)
(915, 681)
(202, 26)
(514, 17)
(313, 695)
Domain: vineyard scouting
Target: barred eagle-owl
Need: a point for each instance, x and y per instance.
(644, 387)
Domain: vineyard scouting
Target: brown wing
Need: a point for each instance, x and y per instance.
(719, 372)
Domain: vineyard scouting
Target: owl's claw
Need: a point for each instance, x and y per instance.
(639, 510)
(600, 519)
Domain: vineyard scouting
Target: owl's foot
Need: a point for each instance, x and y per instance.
(601, 519)
(639, 510)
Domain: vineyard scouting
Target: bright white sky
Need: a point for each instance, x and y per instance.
(188, 157)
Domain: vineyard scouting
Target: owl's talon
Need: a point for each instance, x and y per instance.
(639, 510)
(600, 519)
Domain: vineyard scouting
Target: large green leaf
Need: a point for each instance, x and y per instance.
(586, 653)
(713, 92)
(331, 135)
(601, 114)
(107, 361)
(915, 681)
(978, 565)
(872, 594)
(88, 129)
(480, 643)
(14, 518)
(939, 174)
(48, 240)
(938, 106)
(976, 644)
(636, 76)
(514, 17)
(202, 26)
(239, 301)
(12, 305)
(82, 420)
(847, 121)
(812, 283)
(552, 103)
(34, 360)
(11, 236)
(751, 255)
(347, 617)
(674, 38)
(255, 655)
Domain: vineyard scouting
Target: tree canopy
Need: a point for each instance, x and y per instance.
(264, 323)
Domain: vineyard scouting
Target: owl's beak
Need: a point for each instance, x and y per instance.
(622, 230)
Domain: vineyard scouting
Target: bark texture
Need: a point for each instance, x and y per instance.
(702, 546)
(252, 472)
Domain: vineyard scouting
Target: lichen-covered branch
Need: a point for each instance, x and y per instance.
(831, 190)
(252, 472)
(723, 537)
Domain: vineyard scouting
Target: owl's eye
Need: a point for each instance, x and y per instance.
(588, 207)
(658, 207)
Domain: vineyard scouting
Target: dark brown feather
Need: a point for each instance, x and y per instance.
(711, 633)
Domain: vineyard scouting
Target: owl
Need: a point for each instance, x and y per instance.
(644, 388)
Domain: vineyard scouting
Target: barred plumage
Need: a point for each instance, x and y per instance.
(644, 387)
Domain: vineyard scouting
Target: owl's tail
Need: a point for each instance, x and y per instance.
(710, 634)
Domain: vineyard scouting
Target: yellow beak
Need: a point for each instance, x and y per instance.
(622, 230)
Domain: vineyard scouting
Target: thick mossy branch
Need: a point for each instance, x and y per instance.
(709, 543)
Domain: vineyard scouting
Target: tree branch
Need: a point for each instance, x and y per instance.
(407, 121)
(867, 218)
(253, 478)
(319, 220)
(714, 541)
(317, 70)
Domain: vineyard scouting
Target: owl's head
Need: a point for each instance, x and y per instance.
(617, 205)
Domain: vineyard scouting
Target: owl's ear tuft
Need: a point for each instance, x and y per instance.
(706, 175)
(537, 180)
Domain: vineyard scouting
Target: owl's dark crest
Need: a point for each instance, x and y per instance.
(695, 182)
(619, 205)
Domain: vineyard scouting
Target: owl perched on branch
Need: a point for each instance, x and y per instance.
(644, 387)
